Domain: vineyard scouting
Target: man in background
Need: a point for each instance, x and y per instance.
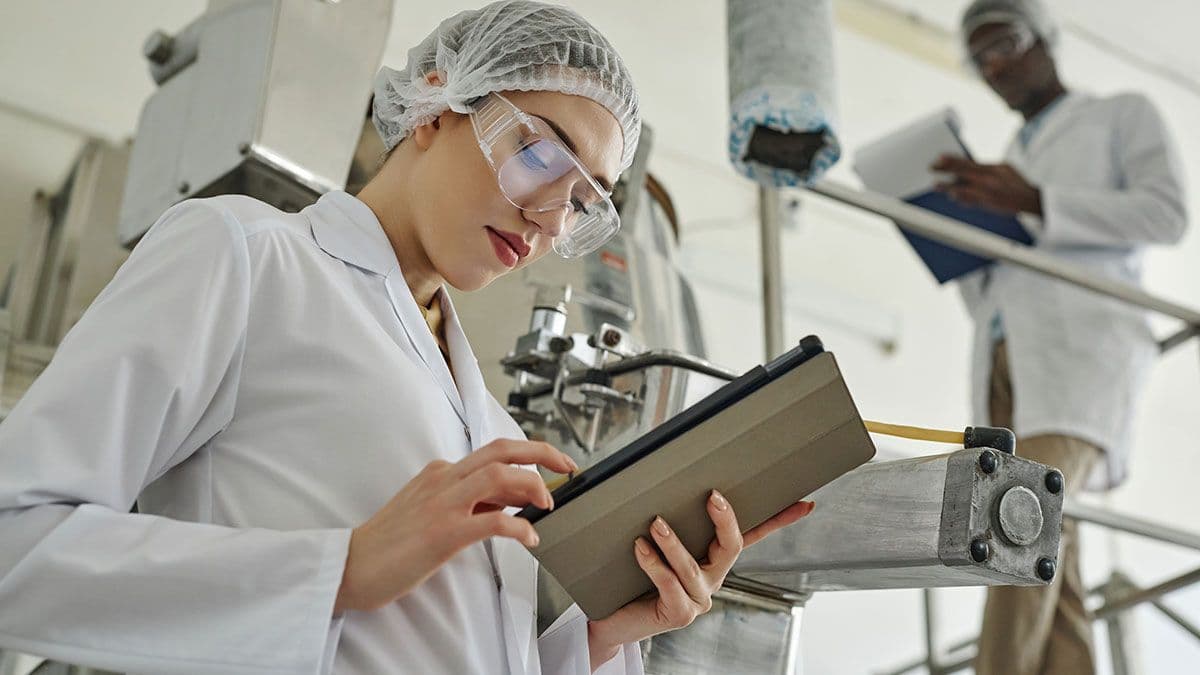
(1093, 180)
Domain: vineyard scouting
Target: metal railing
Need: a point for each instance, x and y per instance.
(1119, 593)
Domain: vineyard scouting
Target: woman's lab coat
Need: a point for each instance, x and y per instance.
(1111, 183)
(265, 382)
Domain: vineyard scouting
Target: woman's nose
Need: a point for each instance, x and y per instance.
(553, 222)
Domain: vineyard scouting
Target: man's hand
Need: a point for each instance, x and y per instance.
(998, 187)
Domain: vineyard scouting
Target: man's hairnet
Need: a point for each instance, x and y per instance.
(1032, 13)
(512, 45)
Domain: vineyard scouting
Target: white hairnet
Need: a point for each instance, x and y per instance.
(1032, 13)
(514, 45)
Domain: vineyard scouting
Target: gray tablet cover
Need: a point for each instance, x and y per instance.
(771, 449)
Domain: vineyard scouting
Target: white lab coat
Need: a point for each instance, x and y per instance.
(1111, 183)
(264, 382)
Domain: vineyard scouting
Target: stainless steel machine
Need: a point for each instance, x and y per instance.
(257, 97)
(68, 253)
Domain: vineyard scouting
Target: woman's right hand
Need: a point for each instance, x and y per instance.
(441, 511)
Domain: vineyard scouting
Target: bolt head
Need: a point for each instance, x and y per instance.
(980, 550)
(988, 461)
(1054, 482)
(158, 47)
(184, 188)
(1045, 569)
(611, 338)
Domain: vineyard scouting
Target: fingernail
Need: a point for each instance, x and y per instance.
(719, 501)
(660, 526)
(536, 539)
(811, 506)
(642, 546)
(571, 462)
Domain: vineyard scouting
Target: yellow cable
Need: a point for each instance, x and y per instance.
(916, 433)
(554, 483)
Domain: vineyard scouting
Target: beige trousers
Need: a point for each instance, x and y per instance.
(1039, 630)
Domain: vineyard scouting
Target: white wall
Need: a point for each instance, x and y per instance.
(79, 62)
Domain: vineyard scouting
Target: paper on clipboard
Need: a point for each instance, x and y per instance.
(897, 165)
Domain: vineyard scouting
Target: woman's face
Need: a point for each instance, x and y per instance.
(462, 219)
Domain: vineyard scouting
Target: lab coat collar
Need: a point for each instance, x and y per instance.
(1056, 120)
(347, 229)
(363, 244)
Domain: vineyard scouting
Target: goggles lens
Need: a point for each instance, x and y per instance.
(536, 172)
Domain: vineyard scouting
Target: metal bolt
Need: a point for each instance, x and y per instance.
(1045, 569)
(1020, 515)
(158, 47)
(184, 188)
(987, 461)
(611, 338)
(980, 550)
(559, 345)
(1054, 482)
(244, 149)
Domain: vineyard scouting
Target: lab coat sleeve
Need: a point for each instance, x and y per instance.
(1147, 207)
(147, 376)
(564, 649)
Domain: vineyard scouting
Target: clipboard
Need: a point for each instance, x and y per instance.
(897, 165)
(765, 441)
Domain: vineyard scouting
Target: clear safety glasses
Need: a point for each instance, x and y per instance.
(536, 172)
(1014, 41)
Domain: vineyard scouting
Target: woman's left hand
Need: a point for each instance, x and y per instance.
(685, 587)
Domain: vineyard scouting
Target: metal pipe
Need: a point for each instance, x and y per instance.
(1143, 528)
(1131, 599)
(772, 270)
(1177, 618)
(664, 358)
(973, 240)
(947, 667)
(1179, 337)
(932, 658)
(672, 359)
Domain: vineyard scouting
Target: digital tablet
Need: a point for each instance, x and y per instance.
(765, 440)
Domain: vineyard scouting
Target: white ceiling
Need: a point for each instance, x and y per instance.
(79, 62)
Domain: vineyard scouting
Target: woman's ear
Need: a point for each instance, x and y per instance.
(423, 135)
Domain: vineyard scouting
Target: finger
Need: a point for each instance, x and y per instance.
(971, 196)
(503, 484)
(778, 521)
(506, 451)
(953, 163)
(676, 607)
(499, 524)
(728, 544)
(685, 567)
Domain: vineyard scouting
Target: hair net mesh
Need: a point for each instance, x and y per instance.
(514, 45)
(1032, 13)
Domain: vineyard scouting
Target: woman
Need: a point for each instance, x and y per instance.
(323, 482)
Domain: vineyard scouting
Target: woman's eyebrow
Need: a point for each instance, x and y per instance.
(566, 139)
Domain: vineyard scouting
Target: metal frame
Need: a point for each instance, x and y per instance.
(1119, 594)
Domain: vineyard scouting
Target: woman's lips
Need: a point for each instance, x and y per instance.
(505, 252)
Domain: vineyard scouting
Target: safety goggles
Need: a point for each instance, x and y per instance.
(536, 172)
(1014, 41)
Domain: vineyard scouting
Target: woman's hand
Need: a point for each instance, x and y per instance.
(441, 511)
(685, 587)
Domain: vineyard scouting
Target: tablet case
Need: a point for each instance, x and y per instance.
(786, 437)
